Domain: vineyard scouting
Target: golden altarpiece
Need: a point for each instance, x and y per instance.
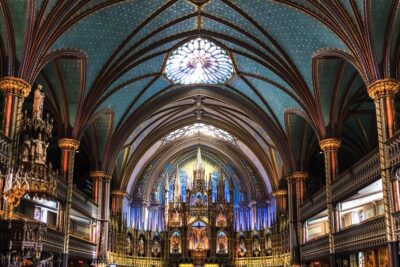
(200, 229)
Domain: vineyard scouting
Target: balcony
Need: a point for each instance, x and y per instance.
(53, 241)
(361, 237)
(315, 249)
(315, 204)
(363, 173)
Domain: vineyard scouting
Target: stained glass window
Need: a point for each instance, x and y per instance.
(199, 128)
(199, 61)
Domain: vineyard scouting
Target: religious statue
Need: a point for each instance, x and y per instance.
(175, 244)
(40, 146)
(221, 245)
(141, 246)
(156, 248)
(26, 148)
(242, 248)
(256, 247)
(129, 246)
(199, 235)
(38, 100)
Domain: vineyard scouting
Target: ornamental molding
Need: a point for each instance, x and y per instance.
(100, 175)
(118, 193)
(68, 144)
(14, 85)
(280, 193)
(330, 144)
(381, 88)
(297, 176)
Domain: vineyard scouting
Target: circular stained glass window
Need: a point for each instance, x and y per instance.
(199, 61)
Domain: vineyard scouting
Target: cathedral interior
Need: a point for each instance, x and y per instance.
(191, 133)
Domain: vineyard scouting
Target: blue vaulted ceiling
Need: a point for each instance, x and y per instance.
(126, 41)
(109, 55)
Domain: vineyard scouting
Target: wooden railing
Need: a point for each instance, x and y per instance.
(125, 260)
(313, 205)
(361, 237)
(263, 261)
(360, 175)
(53, 243)
(363, 173)
(315, 249)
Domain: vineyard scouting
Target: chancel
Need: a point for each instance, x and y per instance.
(199, 133)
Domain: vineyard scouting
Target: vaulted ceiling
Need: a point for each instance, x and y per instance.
(301, 71)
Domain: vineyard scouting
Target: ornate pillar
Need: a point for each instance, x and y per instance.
(15, 90)
(330, 147)
(383, 93)
(117, 201)
(281, 203)
(68, 148)
(99, 180)
(105, 217)
(296, 190)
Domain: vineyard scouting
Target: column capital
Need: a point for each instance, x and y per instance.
(279, 193)
(118, 193)
(15, 85)
(297, 176)
(383, 87)
(329, 144)
(68, 144)
(99, 175)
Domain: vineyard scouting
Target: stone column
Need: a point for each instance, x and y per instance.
(105, 217)
(296, 190)
(68, 148)
(281, 203)
(383, 93)
(99, 179)
(117, 201)
(330, 147)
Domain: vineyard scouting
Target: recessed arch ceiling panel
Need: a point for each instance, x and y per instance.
(175, 11)
(247, 65)
(239, 84)
(278, 100)
(62, 83)
(18, 12)
(120, 100)
(219, 28)
(163, 34)
(152, 65)
(99, 34)
(223, 11)
(379, 20)
(287, 27)
(159, 85)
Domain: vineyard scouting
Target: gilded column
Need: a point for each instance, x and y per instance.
(330, 147)
(68, 148)
(383, 93)
(14, 90)
(296, 190)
